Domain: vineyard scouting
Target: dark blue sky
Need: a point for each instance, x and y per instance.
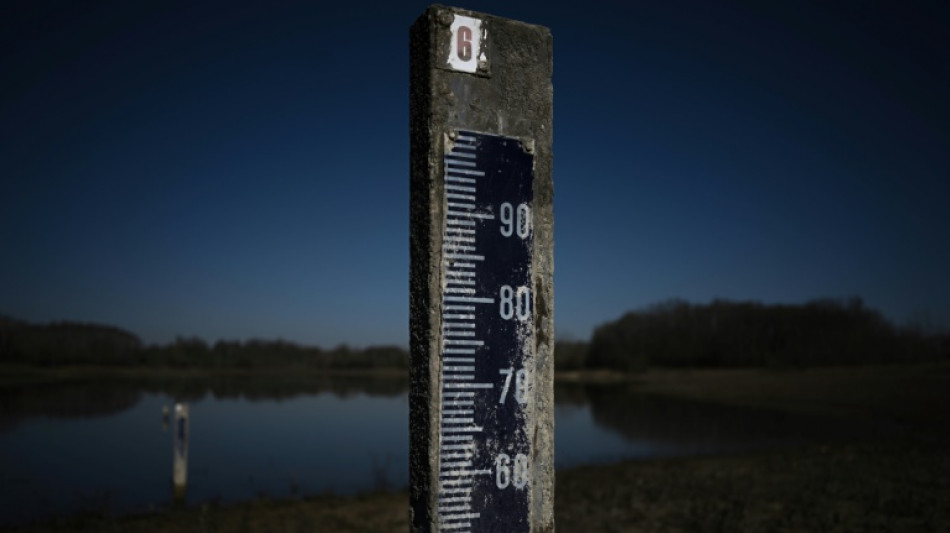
(240, 169)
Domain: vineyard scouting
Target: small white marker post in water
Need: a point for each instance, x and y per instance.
(180, 452)
(481, 393)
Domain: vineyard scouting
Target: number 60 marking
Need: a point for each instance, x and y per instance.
(505, 475)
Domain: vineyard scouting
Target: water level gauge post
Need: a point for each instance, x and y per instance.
(481, 284)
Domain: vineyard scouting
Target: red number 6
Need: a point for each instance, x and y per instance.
(464, 44)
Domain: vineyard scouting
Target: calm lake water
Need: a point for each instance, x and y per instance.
(104, 445)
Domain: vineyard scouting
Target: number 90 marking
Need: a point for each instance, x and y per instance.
(512, 222)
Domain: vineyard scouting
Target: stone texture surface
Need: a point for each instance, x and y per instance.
(513, 98)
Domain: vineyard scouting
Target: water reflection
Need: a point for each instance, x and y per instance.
(95, 444)
(64, 399)
(96, 397)
(668, 426)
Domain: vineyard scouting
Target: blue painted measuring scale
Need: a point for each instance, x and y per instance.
(487, 334)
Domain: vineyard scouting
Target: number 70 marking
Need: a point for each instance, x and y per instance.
(521, 384)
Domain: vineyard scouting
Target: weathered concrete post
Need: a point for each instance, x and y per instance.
(481, 304)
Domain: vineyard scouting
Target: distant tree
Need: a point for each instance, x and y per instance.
(67, 343)
(723, 333)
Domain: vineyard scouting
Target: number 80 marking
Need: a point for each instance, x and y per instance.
(512, 302)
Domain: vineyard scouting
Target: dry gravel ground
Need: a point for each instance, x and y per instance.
(898, 483)
(846, 488)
